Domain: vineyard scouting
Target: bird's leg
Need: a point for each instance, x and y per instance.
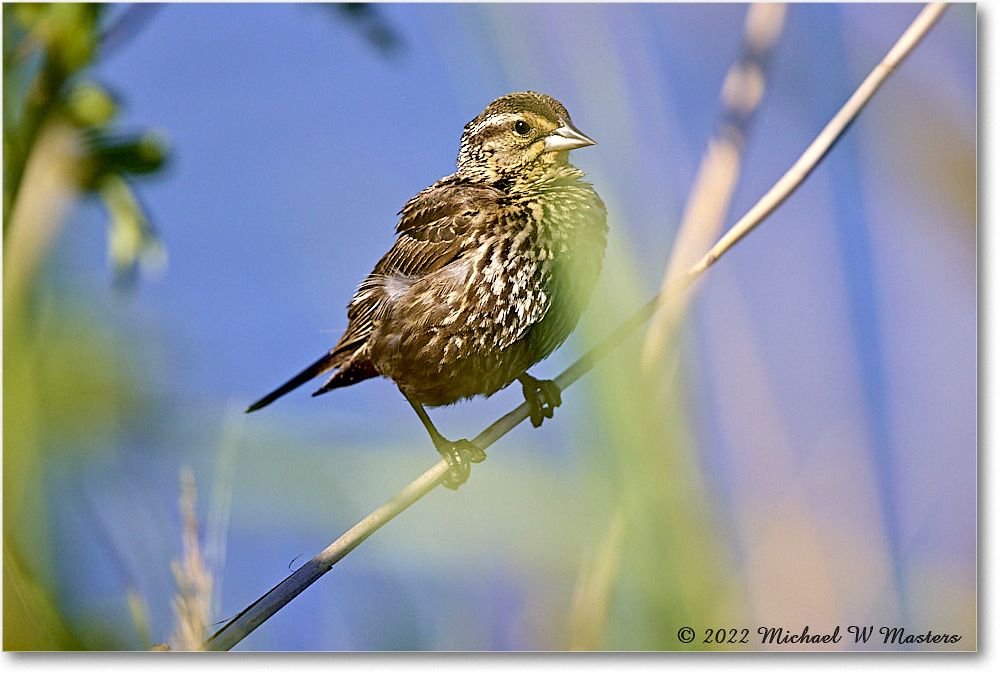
(543, 396)
(458, 454)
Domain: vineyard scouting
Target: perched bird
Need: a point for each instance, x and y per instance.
(490, 271)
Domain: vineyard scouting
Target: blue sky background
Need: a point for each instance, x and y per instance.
(828, 377)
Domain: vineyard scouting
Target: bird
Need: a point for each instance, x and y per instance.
(491, 268)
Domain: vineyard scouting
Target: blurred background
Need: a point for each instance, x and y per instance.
(193, 192)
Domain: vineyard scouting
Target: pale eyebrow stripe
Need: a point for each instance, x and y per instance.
(492, 120)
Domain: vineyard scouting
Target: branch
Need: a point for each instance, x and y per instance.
(254, 615)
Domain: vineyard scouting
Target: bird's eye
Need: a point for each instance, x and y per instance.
(521, 127)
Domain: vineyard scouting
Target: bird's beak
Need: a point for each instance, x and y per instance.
(567, 137)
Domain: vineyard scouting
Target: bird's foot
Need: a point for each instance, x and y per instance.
(543, 397)
(458, 454)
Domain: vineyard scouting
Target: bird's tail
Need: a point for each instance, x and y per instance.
(329, 361)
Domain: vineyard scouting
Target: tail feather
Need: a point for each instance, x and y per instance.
(328, 362)
(352, 372)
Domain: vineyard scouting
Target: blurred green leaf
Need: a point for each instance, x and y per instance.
(131, 239)
(67, 30)
(70, 388)
(369, 20)
(31, 618)
(91, 105)
(128, 154)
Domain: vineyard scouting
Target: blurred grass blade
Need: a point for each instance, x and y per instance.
(711, 195)
(37, 211)
(592, 597)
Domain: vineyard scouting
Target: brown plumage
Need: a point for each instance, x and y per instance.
(490, 271)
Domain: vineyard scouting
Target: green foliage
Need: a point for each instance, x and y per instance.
(91, 105)
(131, 239)
(68, 384)
(66, 31)
(68, 391)
(672, 569)
(47, 50)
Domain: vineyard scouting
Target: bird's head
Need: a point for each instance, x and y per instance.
(517, 132)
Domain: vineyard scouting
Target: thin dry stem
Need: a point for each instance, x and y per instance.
(817, 150)
(247, 620)
(708, 203)
(47, 189)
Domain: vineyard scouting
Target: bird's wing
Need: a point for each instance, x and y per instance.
(432, 232)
